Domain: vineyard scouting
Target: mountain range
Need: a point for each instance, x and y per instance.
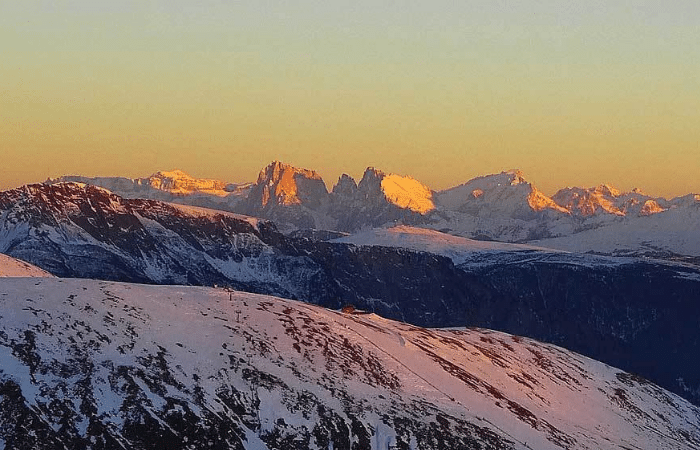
(502, 207)
(616, 310)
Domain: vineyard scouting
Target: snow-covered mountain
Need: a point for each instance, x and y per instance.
(89, 364)
(80, 230)
(402, 191)
(11, 267)
(605, 199)
(171, 186)
(670, 234)
(503, 207)
(507, 194)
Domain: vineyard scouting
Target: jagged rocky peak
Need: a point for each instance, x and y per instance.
(371, 179)
(540, 202)
(607, 190)
(515, 175)
(507, 193)
(650, 207)
(402, 191)
(346, 186)
(285, 185)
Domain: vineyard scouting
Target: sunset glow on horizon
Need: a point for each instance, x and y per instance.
(572, 93)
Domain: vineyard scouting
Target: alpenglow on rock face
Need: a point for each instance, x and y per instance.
(287, 194)
(380, 199)
(103, 365)
(605, 199)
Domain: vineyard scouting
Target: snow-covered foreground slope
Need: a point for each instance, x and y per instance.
(11, 267)
(90, 364)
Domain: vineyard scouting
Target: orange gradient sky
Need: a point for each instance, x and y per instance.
(571, 92)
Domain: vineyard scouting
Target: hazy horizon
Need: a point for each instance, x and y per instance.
(572, 93)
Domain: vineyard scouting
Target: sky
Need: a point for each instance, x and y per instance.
(573, 93)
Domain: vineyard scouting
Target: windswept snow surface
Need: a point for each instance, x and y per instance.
(11, 267)
(92, 362)
(457, 248)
